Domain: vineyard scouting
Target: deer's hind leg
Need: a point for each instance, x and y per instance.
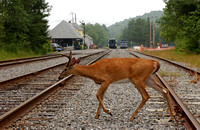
(152, 82)
(140, 85)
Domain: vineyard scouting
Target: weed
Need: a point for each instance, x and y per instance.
(166, 73)
(192, 60)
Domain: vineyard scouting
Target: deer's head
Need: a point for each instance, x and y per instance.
(69, 65)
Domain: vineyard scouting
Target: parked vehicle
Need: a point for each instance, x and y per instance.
(112, 43)
(123, 44)
(56, 47)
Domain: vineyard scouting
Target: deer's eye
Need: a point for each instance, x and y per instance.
(65, 69)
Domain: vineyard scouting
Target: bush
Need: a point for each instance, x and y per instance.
(188, 37)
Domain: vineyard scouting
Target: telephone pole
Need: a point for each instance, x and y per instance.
(75, 17)
(154, 31)
(150, 34)
(83, 23)
(72, 16)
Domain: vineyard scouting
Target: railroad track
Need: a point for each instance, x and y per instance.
(10, 63)
(29, 66)
(183, 90)
(73, 106)
(26, 60)
(18, 96)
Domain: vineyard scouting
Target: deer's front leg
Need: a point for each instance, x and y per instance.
(140, 86)
(100, 95)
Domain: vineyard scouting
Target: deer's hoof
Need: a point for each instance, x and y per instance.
(131, 119)
(110, 113)
(170, 120)
(97, 116)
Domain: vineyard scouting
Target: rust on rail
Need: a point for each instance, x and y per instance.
(189, 120)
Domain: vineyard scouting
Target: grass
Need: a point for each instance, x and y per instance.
(166, 73)
(10, 56)
(190, 59)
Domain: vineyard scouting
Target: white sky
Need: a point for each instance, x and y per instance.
(105, 12)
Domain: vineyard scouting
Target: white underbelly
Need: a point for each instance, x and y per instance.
(127, 80)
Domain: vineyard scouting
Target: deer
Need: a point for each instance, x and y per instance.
(141, 72)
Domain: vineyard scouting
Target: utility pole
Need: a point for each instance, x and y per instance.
(72, 16)
(150, 34)
(75, 17)
(154, 31)
(83, 23)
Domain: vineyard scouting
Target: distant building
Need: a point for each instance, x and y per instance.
(78, 28)
(88, 41)
(65, 34)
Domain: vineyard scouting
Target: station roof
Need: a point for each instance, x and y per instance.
(76, 26)
(64, 30)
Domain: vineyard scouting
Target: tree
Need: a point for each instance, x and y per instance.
(38, 10)
(188, 38)
(2, 34)
(180, 16)
(24, 27)
(137, 32)
(98, 32)
(15, 25)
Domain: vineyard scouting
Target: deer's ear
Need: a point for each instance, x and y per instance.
(78, 60)
(73, 61)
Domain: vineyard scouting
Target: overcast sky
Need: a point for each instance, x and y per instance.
(105, 12)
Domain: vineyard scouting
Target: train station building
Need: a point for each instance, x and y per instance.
(66, 34)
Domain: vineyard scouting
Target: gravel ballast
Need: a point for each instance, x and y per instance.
(122, 100)
(78, 111)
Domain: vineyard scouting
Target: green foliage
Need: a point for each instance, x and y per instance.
(188, 37)
(5, 55)
(116, 29)
(14, 25)
(98, 33)
(2, 34)
(181, 24)
(39, 25)
(23, 26)
(137, 32)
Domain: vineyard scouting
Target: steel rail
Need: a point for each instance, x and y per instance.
(3, 83)
(190, 121)
(33, 59)
(12, 115)
(171, 62)
(36, 57)
(5, 61)
(26, 60)
(13, 80)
